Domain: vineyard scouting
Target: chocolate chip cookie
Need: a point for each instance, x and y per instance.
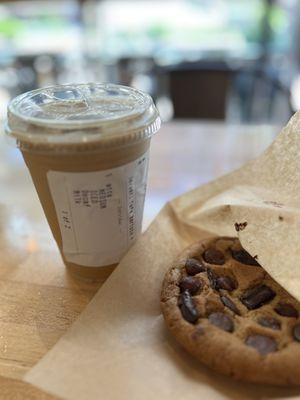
(225, 310)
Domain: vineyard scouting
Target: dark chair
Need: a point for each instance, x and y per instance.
(199, 90)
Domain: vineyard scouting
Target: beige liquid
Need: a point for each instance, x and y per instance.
(40, 163)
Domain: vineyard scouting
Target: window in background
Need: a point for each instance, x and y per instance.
(35, 27)
(131, 42)
(39, 41)
(172, 31)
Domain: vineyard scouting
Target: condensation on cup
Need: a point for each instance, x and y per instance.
(87, 149)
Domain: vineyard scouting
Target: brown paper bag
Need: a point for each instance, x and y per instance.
(119, 347)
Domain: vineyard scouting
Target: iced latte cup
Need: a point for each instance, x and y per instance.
(87, 149)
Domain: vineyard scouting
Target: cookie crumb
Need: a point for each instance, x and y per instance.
(240, 226)
(280, 218)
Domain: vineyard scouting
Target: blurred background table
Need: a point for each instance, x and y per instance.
(38, 299)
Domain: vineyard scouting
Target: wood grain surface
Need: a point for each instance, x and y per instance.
(38, 299)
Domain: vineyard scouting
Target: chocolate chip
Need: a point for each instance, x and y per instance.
(269, 322)
(193, 266)
(222, 321)
(212, 277)
(214, 256)
(220, 282)
(244, 257)
(286, 310)
(230, 304)
(190, 283)
(296, 333)
(257, 296)
(187, 307)
(226, 283)
(263, 344)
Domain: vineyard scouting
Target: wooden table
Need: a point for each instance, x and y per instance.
(38, 300)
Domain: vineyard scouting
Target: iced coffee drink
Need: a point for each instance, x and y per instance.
(87, 149)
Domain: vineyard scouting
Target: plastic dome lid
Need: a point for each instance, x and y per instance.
(63, 116)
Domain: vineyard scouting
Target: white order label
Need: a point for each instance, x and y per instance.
(99, 213)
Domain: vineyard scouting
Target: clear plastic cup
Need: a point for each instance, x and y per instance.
(87, 149)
